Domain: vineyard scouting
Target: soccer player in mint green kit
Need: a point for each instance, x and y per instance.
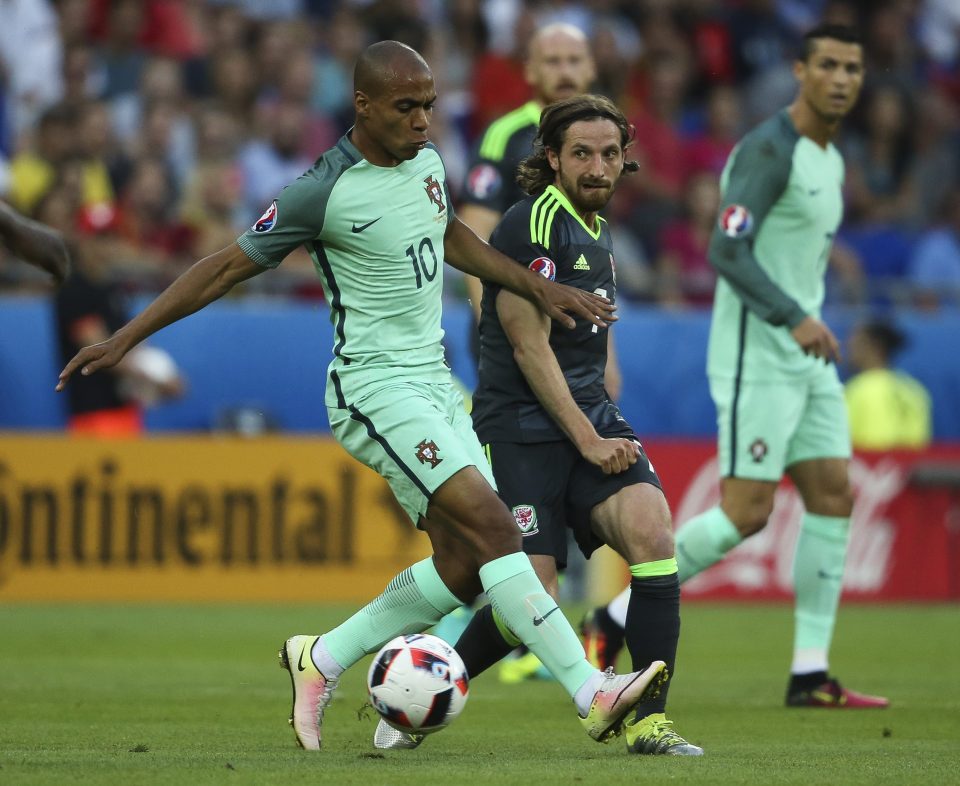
(375, 214)
(780, 405)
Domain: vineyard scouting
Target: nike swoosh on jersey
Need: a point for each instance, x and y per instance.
(538, 620)
(360, 228)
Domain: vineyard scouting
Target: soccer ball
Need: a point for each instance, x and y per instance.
(417, 683)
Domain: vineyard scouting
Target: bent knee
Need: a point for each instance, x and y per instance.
(749, 519)
(839, 504)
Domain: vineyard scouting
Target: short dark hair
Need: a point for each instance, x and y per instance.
(535, 173)
(844, 33)
(886, 335)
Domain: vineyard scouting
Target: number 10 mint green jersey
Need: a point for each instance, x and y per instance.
(376, 238)
(780, 208)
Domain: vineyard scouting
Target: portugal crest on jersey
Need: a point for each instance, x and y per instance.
(268, 220)
(434, 192)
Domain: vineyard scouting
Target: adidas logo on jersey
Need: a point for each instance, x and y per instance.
(581, 264)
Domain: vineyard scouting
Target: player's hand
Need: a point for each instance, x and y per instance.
(556, 300)
(816, 339)
(92, 358)
(612, 455)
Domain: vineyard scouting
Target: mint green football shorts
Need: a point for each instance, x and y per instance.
(765, 427)
(416, 435)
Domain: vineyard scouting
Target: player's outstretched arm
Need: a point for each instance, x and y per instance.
(467, 252)
(207, 280)
(35, 243)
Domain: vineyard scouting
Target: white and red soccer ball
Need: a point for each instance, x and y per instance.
(417, 683)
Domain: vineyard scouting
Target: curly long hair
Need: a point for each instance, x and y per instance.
(535, 173)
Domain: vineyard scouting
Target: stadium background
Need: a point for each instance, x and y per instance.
(175, 122)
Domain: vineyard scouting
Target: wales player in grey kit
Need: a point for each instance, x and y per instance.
(562, 454)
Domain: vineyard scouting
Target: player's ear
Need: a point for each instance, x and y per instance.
(799, 70)
(553, 159)
(361, 103)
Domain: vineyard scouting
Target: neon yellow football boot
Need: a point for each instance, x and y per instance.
(653, 735)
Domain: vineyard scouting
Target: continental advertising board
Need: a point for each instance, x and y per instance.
(284, 518)
(196, 518)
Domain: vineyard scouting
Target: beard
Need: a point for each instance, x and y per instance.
(584, 198)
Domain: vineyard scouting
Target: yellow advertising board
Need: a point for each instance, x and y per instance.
(196, 518)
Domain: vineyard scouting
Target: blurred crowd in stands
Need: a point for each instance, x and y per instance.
(153, 132)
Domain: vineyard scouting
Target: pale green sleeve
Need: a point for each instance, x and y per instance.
(297, 218)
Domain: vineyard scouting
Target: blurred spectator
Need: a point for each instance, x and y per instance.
(888, 408)
(155, 120)
(846, 278)
(617, 49)
(89, 307)
(170, 28)
(934, 270)
(939, 29)
(654, 193)
(142, 239)
(82, 80)
(270, 163)
(498, 84)
(120, 54)
(56, 142)
(218, 133)
(295, 86)
(891, 52)
(221, 28)
(30, 60)
(343, 39)
(235, 84)
(935, 161)
(764, 47)
(707, 150)
(879, 159)
(712, 42)
(266, 10)
(98, 146)
(684, 273)
(74, 22)
(211, 207)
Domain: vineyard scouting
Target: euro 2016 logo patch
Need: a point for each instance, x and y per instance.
(482, 181)
(435, 192)
(526, 518)
(427, 452)
(735, 221)
(545, 266)
(268, 220)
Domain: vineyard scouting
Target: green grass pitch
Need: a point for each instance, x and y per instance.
(109, 694)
